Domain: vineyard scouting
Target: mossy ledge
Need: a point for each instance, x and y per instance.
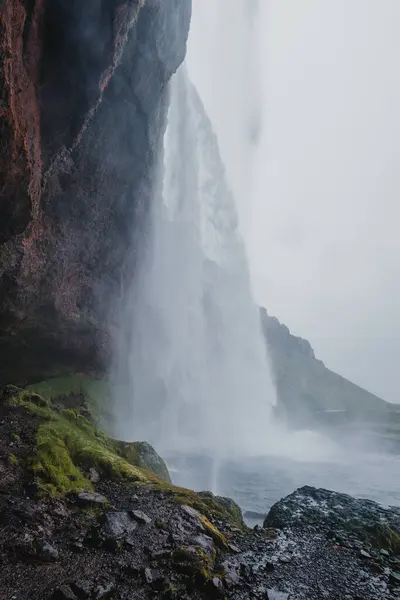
(68, 444)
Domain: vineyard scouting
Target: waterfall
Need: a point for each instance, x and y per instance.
(198, 377)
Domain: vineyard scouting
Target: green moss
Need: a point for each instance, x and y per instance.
(386, 538)
(15, 437)
(213, 531)
(67, 444)
(160, 524)
(192, 560)
(12, 460)
(34, 403)
(207, 505)
(144, 455)
(70, 440)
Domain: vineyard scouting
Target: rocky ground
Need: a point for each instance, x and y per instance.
(91, 520)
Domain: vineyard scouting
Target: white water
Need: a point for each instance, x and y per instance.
(198, 373)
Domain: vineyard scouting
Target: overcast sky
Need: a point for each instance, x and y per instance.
(305, 98)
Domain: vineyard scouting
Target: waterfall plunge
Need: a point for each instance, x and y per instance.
(198, 373)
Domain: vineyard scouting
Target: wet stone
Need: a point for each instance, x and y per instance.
(269, 567)
(132, 569)
(206, 544)
(102, 592)
(141, 517)
(148, 575)
(63, 593)
(217, 588)
(285, 558)
(231, 576)
(82, 589)
(192, 512)
(394, 577)
(275, 595)
(160, 554)
(94, 475)
(48, 553)
(91, 499)
(118, 524)
(77, 547)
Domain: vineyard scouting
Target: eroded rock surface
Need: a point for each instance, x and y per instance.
(82, 115)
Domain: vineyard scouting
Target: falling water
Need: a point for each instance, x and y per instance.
(198, 373)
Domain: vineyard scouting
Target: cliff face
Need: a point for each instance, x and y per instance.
(82, 111)
(308, 392)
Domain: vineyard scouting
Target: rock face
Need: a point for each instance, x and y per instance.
(309, 393)
(82, 112)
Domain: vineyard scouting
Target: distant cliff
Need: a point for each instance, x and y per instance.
(308, 392)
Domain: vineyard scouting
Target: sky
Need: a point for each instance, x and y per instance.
(304, 96)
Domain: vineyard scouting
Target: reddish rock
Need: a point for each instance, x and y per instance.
(82, 112)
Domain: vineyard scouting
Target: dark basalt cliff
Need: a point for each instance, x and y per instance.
(82, 115)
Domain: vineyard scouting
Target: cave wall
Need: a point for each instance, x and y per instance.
(83, 98)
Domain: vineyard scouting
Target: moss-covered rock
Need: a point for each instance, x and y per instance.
(68, 445)
(144, 455)
(228, 505)
(192, 560)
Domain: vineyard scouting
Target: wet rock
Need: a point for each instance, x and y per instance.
(47, 553)
(77, 546)
(160, 554)
(118, 524)
(103, 592)
(217, 589)
(394, 577)
(231, 576)
(148, 575)
(285, 558)
(206, 543)
(331, 511)
(64, 593)
(141, 517)
(91, 499)
(192, 512)
(94, 476)
(144, 454)
(269, 566)
(365, 554)
(82, 589)
(234, 548)
(133, 569)
(275, 595)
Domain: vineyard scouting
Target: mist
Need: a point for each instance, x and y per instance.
(320, 216)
